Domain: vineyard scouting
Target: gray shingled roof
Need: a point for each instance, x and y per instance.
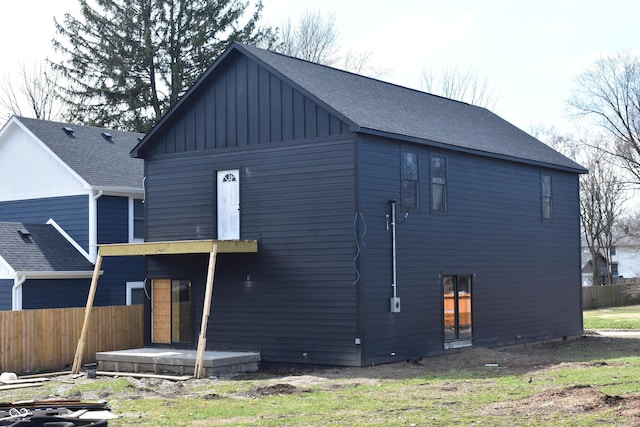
(378, 107)
(44, 250)
(100, 162)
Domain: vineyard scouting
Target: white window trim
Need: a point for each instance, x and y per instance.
(131, 212)
(130, 287)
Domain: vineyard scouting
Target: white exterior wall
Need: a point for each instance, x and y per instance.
(628, 259)
(30, 170)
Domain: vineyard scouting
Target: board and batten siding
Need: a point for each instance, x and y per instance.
(526, 282)
(294, 300)
(244, 105)
(71, 213)
(29, 171)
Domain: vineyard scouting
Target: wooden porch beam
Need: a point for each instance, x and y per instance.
(178, 247)
(77, 361)
(208, 293)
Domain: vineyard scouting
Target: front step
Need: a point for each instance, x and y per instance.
(177, 362)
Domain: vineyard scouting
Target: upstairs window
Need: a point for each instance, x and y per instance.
(410, 181)
(547, 198)
(438, 184)
(136, 220)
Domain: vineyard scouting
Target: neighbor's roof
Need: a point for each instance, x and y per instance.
(99, 160)
(373, 106)
(44, 249)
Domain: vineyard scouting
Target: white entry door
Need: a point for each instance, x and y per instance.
(229, 204)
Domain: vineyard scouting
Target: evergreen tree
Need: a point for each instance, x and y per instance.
(125, 62)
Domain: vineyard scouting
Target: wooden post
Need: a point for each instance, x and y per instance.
(202, 340)
(77, 361)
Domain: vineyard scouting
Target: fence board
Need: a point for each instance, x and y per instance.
(45, 340)
(610, 296)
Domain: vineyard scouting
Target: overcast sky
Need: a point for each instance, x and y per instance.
(530, 51)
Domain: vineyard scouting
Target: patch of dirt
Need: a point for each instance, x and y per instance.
(570, 400)
(274, 390)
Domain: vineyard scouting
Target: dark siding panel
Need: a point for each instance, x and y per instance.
(287, 112)
(211, 117)
(5, 294)
(275, 108)
(221, 112)
(189, 130)
(526, 284)
(253, 107)
(298, 115)
(113, 227)
(71, 213)
(232, 111)
(310, 118)
(113, 219)
(200, 131)
(242, 102)
(295, 296)
(264, 115)
(322, 123)
(55, 293)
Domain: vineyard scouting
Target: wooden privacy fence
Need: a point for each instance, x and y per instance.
(33, 340)
(610, 296)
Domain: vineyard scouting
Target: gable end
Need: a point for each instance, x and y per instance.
(243, 104)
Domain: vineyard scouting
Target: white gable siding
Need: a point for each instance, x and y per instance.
(29, 170)
(5, 270)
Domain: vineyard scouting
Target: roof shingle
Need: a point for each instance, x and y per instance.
(101, 161)
(44, 249)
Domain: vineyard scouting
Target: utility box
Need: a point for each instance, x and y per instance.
(395, 304)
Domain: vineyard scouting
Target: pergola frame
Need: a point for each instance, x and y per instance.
(182, 247)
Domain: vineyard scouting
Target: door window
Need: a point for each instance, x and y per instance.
(171, 316)
(457, 308)
(228, 186)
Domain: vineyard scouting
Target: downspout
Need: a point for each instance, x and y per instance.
(93, 224)
(16, 292)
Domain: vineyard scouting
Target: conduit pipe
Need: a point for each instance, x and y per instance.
(395, 301)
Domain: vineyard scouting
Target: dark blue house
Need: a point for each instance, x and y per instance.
(391, 223)
(83, 182)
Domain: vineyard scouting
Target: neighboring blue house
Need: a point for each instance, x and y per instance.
(84, 180)
(51, 271)
(391, 223)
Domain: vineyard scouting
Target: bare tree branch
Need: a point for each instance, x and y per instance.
(34, 94)
(462, 84)
(608, 92)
